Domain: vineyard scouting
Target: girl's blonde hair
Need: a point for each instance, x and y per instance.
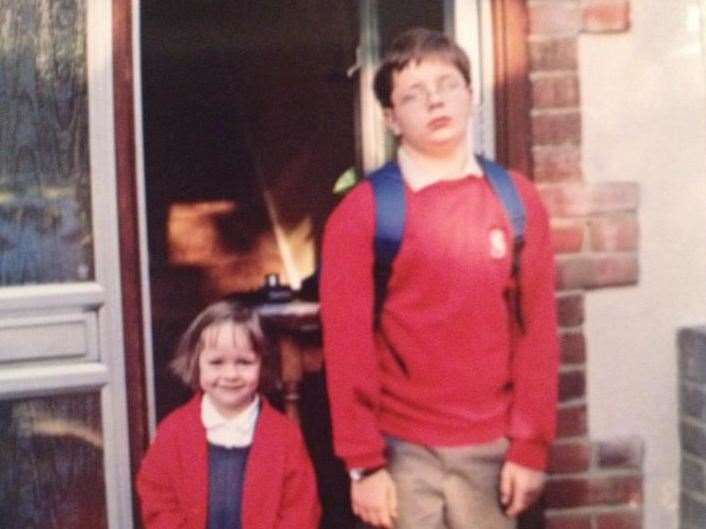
(185, 363)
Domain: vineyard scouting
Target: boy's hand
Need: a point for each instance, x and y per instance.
(519, 487)
(374, 499)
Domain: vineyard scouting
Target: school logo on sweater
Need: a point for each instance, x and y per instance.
(498, 243)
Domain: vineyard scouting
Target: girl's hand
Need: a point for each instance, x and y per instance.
(519, 487)
(374, 499)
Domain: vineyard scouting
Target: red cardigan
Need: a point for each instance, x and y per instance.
(444, 369)
(280, 485)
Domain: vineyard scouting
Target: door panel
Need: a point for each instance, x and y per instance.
(63, 428)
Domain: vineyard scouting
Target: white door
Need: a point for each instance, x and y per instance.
(63, 423)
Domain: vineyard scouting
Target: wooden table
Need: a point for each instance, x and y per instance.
(297, 332)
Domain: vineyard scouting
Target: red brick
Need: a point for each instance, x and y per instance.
(571, 421)
(624, 519)
(568, 521)
(555, 90)
(620, 453)
(566, 200)
(568, 235)
(556, 163)
(610, 197)
(573, 348)
(572, 385)
(577, 199)
(616, 269)
(574, 273)
(548, 54)
(570, 310)
(597, 271)
(556, 127)
(569, 457)
(614, 233)
(598, 490)
(605, 16)
(554, 18)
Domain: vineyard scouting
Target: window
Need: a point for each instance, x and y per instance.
(45, 204)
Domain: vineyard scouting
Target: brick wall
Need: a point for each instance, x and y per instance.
(692, 418)
(593, 485)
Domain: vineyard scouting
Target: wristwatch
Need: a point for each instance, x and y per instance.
(356, 474)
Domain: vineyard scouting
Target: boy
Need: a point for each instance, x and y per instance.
(442, 407)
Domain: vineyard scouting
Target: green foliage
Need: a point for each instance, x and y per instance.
(346, 181)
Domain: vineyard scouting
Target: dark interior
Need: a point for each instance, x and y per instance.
(239, 97)
(242, 98)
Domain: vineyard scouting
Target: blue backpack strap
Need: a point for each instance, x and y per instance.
(390, 214)
(504, 188)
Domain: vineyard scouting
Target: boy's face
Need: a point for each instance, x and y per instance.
(431, 107)
(229, 369)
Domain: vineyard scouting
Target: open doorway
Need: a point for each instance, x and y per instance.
(252, 111)
(249, 115)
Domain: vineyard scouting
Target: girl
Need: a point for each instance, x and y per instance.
(226, 459)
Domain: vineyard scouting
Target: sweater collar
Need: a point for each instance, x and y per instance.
(229, 432)
(417, 178)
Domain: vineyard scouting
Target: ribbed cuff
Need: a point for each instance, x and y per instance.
(531, 454)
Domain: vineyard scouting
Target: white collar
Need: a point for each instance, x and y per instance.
(233, 431)
(417, 178)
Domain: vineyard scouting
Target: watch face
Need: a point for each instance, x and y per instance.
(356, 474)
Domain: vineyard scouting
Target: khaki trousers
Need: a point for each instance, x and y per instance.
(448, 487)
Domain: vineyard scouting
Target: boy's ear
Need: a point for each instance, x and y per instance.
(391, 121)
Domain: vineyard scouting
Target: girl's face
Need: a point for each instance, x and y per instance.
(229, 368)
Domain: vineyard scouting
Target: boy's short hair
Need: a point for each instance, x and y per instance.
(185, 364)
(416, 45)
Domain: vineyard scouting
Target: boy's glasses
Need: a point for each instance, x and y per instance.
(420, 94)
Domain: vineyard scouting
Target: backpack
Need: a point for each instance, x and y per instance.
(390, 210)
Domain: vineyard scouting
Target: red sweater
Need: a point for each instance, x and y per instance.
(280, 486)
(443, 370)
